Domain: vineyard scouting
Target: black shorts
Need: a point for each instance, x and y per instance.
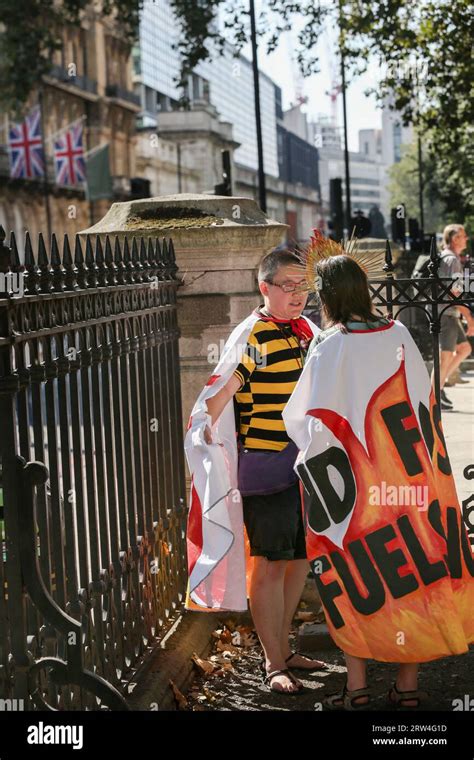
(274, 525)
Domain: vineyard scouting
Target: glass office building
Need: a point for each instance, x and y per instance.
(226, 82)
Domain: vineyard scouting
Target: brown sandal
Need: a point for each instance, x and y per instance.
(268, 680)
(321, 666)
(397, 698)
(347, 699)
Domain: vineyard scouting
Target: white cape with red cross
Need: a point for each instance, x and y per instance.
(215, 535)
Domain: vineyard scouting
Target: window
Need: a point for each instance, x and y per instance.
(397, 142)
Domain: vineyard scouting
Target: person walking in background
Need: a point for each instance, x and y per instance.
(454, 345)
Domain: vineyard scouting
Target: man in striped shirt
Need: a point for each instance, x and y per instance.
(261, 385)
(268, 373)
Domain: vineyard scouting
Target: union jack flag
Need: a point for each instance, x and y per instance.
(26, 147)
(69, 162)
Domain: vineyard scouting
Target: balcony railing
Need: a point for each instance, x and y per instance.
(116, 91)
(82, 82)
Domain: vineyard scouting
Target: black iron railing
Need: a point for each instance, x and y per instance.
(420, 303)
(92, 466)
(430, 296)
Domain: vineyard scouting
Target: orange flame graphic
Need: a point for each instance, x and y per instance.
(435, 618)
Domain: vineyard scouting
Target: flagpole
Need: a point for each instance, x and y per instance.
(91, 203)
(45, 177)
(63, 129)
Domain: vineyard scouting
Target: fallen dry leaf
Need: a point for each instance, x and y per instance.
(249, 640)
(179, 698)
(245, 629)
(204, 666)
(306, 617)
(223, 647)
(222, 672)
(209, 696)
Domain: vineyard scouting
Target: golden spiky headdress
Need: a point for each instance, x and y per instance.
(320, 248)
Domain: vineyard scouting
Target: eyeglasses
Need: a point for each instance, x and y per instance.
(291, 287)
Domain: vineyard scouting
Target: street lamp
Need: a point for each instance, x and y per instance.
(262, 195)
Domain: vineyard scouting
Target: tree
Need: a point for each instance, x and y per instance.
(30, 32)
(425, 51)
(403, 188)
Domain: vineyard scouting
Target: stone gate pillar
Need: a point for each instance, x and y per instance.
(218, 242)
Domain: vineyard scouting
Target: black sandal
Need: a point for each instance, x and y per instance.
(285, 672)
(347, 699)
(313, 668)
(396, 698)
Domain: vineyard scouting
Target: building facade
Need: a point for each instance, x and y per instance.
(90, 78)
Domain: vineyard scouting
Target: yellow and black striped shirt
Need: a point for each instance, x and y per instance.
(268, 372)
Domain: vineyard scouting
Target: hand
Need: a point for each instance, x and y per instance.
(207, 434)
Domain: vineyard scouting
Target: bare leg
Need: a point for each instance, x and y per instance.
(463, 350)
(295, 576)
(450, 361)
(356, 676)
(445, 360)
(407, 680)
(356, 679)
(267, 606)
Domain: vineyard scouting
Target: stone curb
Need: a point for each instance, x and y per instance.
(171, 659)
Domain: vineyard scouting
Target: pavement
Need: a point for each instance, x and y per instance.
(241, 687)
(458, 426)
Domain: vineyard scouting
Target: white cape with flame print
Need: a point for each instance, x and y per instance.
(217, 566)
(384, 531)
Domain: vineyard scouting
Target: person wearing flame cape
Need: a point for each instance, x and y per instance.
(384, 531)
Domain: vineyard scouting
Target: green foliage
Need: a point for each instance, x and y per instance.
(404, 188)
(423, 50)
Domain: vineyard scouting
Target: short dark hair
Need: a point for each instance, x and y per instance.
(271, 262)
(343, 289)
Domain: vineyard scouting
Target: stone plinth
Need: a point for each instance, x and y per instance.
(218, 242)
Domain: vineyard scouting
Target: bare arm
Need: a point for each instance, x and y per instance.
(458, 290)
(216, 404)
(469, 318)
